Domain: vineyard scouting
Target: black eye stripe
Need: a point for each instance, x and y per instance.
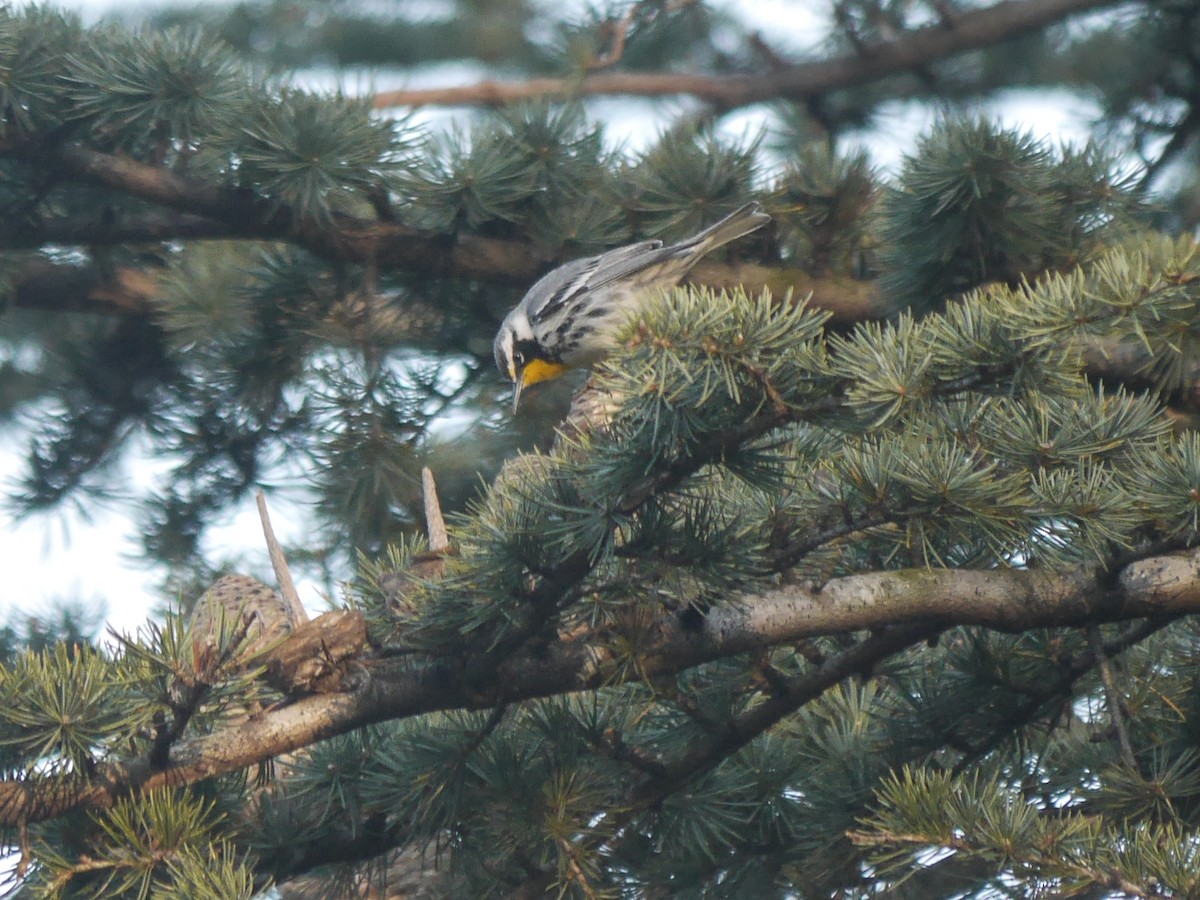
(529, 349)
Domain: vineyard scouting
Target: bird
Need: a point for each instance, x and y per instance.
(570, 317)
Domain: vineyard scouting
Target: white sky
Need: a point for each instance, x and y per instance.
(65, 555)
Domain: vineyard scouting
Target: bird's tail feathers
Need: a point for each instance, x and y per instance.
(738, 223)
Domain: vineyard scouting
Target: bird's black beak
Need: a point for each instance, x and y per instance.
(518, 385)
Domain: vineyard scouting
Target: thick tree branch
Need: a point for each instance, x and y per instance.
(914, 50)
(200, 210)
(39, 284)
(1003, 599)
(661, 779)
(244, 214)
(144, 227)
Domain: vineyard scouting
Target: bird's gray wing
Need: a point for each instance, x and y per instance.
(561, 285)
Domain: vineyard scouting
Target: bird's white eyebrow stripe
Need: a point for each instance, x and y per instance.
(509, 350)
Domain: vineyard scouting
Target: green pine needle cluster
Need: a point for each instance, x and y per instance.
(61, 706)
(315, 154)
(34, 45)
(1029, 847)
(68, 711)
(975, 204)
(144, 89)
(530, 166)
(161, 844)
(688, 180)
(822, 198)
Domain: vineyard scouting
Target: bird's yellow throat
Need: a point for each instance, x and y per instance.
(535, 370)
(540, 370)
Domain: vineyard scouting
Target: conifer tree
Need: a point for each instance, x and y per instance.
(865, 564)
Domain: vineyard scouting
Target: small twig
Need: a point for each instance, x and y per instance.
(283, 575)
(790, 555)
(843, 18)
(1073, 671)
(799, 690)
(476, 740)
(770, 680)
(194, 686)
(435, 525)
(1181, 135)
(26, 851)
(687, 704)
(612, 743)
(576, 870)
(619, 30)
(760, 46)
(1036, 859)
(1111, 698)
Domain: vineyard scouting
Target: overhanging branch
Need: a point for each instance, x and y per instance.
(39, 284)
(1004, 599)
(246, 214)
(145, 227)
(914, 50)
(196, 209)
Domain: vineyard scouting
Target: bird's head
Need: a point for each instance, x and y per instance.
(521, 357)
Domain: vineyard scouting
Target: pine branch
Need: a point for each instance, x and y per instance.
(1112, 879)
(1072, 671)
(792, 694)
(245, 214)
(1112, 697)
(617, 30)
(907, 53)
(39, 284)
(199, 210)
(1007, 600)
(1060, 690)
(106, 230)
(543, 599)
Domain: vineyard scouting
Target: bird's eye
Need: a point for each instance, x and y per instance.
(518, 358)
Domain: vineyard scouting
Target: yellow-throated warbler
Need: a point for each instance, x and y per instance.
(569, 317)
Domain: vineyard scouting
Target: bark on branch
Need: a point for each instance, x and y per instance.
(201, 210)
(1003, 599)
(969, 31)
(245, 214)
(39, 284)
